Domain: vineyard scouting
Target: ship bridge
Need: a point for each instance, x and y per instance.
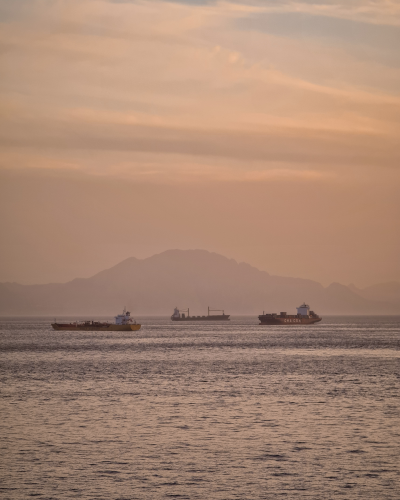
(303, 309)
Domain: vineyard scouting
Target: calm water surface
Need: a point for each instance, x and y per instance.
(201, 411)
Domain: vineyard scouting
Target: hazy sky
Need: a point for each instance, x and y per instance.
(267, 131)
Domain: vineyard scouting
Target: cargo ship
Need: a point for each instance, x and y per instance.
(123, 323)
(185, 316)
(303, 317)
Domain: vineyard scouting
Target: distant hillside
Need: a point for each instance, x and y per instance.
(187, 278)
(385, 292)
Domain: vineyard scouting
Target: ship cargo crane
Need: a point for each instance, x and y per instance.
(215, 310)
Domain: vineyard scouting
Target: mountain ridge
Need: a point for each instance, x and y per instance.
(195, 279)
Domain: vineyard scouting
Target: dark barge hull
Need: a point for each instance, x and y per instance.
(216, 317)
(287, 320)
(71, 327)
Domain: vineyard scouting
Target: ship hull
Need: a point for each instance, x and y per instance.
(219, 317)
(95, 328)
(287, 321)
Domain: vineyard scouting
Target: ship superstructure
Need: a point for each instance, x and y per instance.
(304, 316)
(123, 322)
(184, 315)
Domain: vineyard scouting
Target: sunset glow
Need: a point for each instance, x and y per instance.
(265, 131)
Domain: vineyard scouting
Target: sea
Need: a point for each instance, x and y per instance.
(224, 410)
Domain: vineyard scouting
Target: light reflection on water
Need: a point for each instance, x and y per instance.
(201, 411)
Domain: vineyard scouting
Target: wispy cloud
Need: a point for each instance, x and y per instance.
(374, 12)
(170, 79)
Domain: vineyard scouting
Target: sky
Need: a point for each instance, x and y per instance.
(266, 131)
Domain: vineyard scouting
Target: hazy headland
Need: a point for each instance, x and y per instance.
(195, 279)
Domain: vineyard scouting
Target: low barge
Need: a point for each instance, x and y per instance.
(123, 323)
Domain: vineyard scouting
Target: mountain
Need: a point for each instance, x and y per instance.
(186, 278)
(384, 292)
